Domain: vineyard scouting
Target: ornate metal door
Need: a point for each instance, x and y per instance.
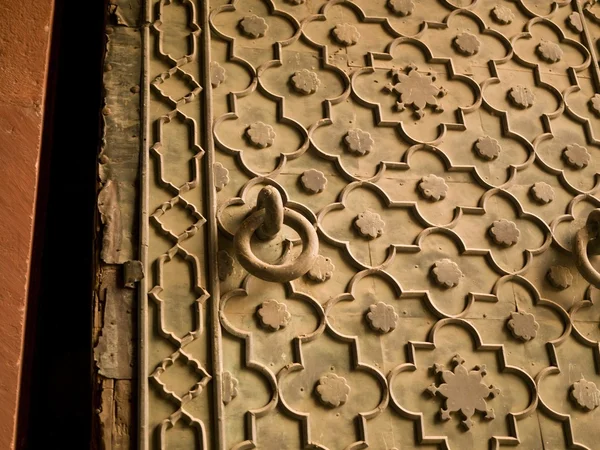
(364, 224)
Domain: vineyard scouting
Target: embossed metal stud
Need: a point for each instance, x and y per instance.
(521, 97)
(574, 22)
(504, 232)
(446, 273)
(254, 26)
(217, 74)
(502, 14)
(576, 156)
(345, 34)
(549, 51)
(382, 317)
(433, 188)
(359, 142)
(273, 315)
(542, 192)
(594, 104)
(261, 135)
(487, 148)
(466, 44)
(220, 176)
(369, 224)
(313, 180)
(402, 7)
(522, 325)
(333, 390)
(230, 387)
(322, 269)
(560, 277)
(305, 81)
(585, 394)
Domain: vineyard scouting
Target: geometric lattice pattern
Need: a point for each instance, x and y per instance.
(446, 151)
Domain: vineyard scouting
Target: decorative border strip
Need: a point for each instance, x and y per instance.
(143, 373)
(213, 231)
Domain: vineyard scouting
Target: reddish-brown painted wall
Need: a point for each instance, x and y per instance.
(24, 47)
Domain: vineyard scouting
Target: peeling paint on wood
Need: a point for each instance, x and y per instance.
(110, 215)
(114, 352)
(118, 269)
(119, 157)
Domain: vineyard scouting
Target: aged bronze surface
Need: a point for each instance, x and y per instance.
(417, 271)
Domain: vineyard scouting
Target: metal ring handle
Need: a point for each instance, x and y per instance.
(588, 235)
(270, 200)
(281, 272)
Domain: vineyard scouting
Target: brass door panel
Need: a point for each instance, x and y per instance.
(432, 163)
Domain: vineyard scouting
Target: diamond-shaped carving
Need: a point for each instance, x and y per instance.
(178, 219)
(177, 85)
(181, 376)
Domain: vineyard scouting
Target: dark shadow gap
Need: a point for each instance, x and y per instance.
(55, 408)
